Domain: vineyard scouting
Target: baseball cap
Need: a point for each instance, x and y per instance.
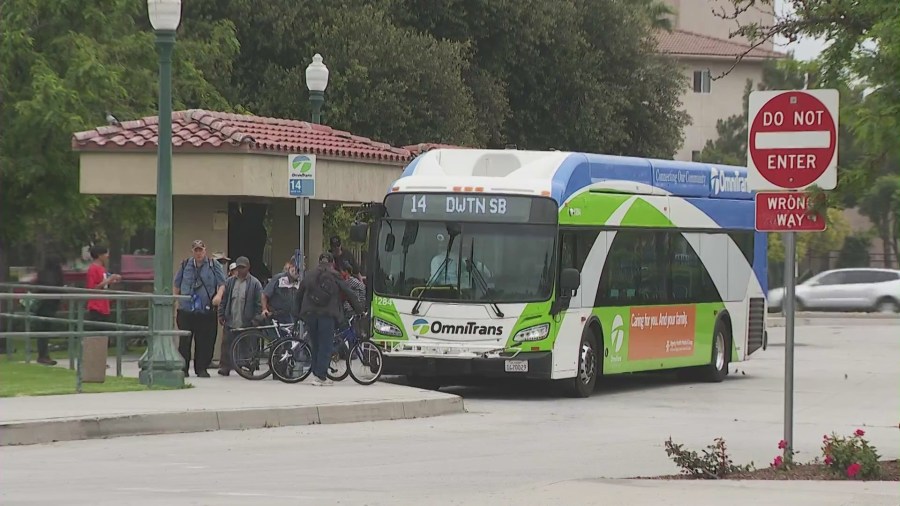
(242, 262)
(220, 256)
(232, 267)
(198, 244)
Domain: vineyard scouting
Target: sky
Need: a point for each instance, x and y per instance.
(804, 49)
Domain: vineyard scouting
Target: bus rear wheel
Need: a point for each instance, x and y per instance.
(582, 385)
(717, 369)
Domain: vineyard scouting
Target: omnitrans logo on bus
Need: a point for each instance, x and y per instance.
(423, 327)
(723, 181)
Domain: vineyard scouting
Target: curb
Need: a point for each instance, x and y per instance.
(48, 431)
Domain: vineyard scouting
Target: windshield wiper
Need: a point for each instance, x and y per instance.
(428, 284)
(471, 267)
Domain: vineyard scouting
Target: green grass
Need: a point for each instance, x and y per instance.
(20, 379)
(62, 354)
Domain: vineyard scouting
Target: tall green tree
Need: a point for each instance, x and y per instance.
(65, 64)
(571, 74)
(387, 82)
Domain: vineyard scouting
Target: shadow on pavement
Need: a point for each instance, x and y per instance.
(517, 389)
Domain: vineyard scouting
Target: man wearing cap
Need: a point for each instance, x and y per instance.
(203, 279)
(320, 308)
(341, 256)
(240, 304)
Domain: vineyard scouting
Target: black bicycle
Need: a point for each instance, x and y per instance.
(353, 354)
(252, 347)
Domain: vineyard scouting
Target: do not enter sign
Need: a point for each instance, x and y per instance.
(792, 139)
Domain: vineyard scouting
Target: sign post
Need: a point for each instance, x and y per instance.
(301, 170)
(791, 145)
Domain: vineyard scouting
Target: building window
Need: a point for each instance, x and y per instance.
(695, 156)
(702, 81)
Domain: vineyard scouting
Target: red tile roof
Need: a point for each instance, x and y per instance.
(418, 149)
(201, 130)
(683, 43)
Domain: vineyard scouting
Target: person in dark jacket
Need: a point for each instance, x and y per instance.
(50, 275)
(320, 308)
(241, 302)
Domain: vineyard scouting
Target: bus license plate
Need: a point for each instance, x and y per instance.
(516, 366)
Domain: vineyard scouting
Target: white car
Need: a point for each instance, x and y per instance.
(846, 290)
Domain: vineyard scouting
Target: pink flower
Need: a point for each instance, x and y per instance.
(778, 461)
(853, 469)
(782, 444)
(829, 460)
(859, 433)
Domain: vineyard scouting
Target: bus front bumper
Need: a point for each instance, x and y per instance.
(532, 365)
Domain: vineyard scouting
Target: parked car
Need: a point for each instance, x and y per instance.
(845, 290)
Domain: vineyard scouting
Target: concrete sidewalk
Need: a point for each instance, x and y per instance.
(216, 403)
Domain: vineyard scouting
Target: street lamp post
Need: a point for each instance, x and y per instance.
(316, 82)
(161, 363)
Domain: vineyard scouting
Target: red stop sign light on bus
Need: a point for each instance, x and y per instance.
(792, 139)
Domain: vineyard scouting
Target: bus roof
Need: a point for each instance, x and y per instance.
(561, 174)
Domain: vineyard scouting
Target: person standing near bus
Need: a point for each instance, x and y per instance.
(320, 308)
(279, 295)
(201, 278)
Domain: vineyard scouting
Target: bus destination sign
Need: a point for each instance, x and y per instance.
(469, 207)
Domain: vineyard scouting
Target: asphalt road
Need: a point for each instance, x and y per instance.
(514, 446)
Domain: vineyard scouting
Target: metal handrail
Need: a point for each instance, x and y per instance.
(61, 289)
(76, 322)
(93, 294)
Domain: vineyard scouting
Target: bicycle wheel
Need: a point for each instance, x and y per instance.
(337, 369)
(291, 360)
(250, 355)
(365, 362)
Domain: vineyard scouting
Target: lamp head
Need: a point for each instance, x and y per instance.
(317, 74)
(165, 15)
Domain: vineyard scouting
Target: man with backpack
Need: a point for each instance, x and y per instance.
(204, 280)
(320, 308)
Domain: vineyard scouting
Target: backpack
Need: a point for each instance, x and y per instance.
(322, 288)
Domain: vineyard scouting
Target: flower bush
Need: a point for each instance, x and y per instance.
(780, 462)
(851, 456)
(713, 463)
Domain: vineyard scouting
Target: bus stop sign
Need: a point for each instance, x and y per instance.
(792, 139)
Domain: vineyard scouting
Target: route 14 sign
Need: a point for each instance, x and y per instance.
(301, 175)
(792, 139)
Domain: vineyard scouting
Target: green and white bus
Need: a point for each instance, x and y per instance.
(564, 266)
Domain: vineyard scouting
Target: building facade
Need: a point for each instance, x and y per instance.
(700, 41)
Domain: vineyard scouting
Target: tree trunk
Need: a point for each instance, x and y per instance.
(886, 237)
(116, 242)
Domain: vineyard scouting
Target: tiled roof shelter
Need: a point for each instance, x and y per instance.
(687, 44)
(199, 130)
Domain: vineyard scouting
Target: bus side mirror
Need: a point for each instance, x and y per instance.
(569, 281)
(358, 232)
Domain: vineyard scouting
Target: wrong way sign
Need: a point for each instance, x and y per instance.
(787, 212)
(792, 139)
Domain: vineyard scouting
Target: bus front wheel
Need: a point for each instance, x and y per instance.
(582, 385)
(717, 369)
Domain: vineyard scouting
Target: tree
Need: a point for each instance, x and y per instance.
(864, 47)
(66, 63)
(881, 205)
(386, 82)
(572, 75)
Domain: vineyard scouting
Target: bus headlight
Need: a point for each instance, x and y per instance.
(387, 329)
(535, 333)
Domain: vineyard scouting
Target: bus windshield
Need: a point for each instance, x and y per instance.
(465, 262)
